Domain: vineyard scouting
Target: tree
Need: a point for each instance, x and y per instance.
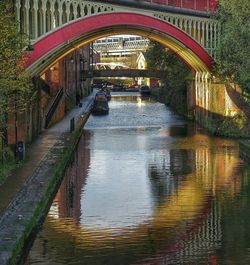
(175, 75)
(234, 57)
(16, 90)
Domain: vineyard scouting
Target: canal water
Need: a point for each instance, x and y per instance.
(147, 187)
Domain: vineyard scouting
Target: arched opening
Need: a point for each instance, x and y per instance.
(22, 17)
(64, 14)
(56, 14)
(31, 19)
(85, 11)
(78, 11)
(71, 14)
(40, 18)
(61, 42)
(48, 17)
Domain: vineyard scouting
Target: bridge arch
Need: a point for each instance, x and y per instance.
(58, 43)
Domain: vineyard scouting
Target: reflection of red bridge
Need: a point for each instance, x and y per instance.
(195, 233)
(188, 222)
(204, 232)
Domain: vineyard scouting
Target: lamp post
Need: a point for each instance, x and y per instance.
(76, 83)
(81, 61)
(82, 78)
(73, 62)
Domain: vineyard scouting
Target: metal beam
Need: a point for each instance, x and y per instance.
(124, 73)
(157, 7)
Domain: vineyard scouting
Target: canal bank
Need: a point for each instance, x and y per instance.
(215, 121)
(27, 209)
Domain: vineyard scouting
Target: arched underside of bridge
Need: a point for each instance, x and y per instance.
(55, 45)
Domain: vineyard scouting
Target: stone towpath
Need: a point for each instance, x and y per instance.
(37, 152)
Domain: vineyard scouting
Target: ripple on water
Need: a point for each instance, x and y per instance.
(144, 187)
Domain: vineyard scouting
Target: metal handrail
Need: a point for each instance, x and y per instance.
(53, 107)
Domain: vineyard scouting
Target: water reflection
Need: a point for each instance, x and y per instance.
(144, 187)
(68, 199)
(168, 170)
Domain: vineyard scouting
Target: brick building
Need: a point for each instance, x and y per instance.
(59, 89)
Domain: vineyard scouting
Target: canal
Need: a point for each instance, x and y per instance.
(147, 187)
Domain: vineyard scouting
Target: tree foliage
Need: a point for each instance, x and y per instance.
(234, 47)
(15, 84)
(160, 58)
(175, 75)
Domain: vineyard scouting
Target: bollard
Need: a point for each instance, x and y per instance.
(72, 124)
(20, 150)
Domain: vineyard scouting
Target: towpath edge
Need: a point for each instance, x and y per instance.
(32, 202)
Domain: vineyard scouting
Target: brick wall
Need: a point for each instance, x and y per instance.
(65, 74)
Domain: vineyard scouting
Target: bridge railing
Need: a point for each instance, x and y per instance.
(201, 5)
